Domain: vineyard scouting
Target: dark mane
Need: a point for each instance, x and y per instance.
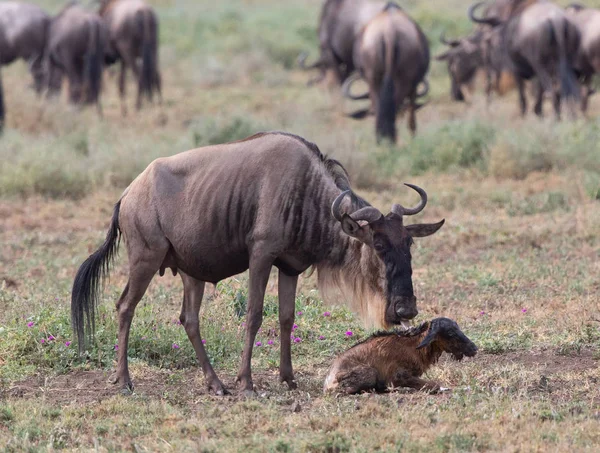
(406, 333)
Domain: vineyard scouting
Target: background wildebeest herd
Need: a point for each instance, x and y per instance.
(318, 213)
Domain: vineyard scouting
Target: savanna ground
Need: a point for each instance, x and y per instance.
(517, 263)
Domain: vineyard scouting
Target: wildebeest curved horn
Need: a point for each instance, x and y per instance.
(346, 88)
(493, 21)
(335, 207)
(401, 210)
(368, 214)
(451, 42)
(425, 90)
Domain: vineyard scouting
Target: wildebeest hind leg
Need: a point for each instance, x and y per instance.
(287, 307)
(122, 87)
(260, 267)
(522, 98)
(193, 291)
(539, 108)
(140, 275)
(358, 379)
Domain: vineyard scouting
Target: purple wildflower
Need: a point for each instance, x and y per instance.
(482, 312)
(295, 326)
(42, 341)
(51, 337)
(270, 342)
(143, 338)
(326, 314)
(523, 310)
(258, 343)
(30, 324)
(203, 341)
(349, 333)
(175, 346)
(297, 340)
(67, 343)
(116, 347)
(321, 337)
(299, 313)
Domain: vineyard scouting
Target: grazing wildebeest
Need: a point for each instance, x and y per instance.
(77, 42)
(466, 56)
(133, 34)
(269, 200)
(398, 358)
(24, 27)
(392, 55)
(587, 62)
(339, 26)
(540, 41)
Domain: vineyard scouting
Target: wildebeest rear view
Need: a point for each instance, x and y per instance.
(284, 205)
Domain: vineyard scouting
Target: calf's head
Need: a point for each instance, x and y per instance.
(447, 336)
(390, 240)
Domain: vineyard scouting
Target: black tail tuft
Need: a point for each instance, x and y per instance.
(1, 105)
(94, 59)
(386, 116)
(89, 280)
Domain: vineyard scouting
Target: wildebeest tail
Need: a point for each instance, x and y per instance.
(385, 123)
(94, 58)
(89, 280)
(561, 31)
(1, 105)
(148, 76)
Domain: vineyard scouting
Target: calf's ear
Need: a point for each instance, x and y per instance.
(424, 229)
(427, 340)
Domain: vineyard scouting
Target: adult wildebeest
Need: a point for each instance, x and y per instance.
(24, 27)
(77, 42)
(466, 56)
(269, 200)
(392, 55)
(339, 26)
(540, 41)
(133, 34)
(587, 62)
(1, 104)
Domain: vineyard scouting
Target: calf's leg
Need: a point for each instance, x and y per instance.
(193, 290)
(358, 379)
(405, 379)
(287, 308)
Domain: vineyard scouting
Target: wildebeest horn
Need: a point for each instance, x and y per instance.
(335, 207)
(451, 42)
(425, 83)
(401, 210)
(368, 213)
(493, 21)
(346, 87)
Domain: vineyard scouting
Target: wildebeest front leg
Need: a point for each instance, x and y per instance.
(405, 379)
(193, 291)
(287, 308)
(522, 98)
(539, 107)
(260, 267)
(122, 87)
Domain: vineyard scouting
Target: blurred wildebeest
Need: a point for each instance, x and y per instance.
(587, 62)
(77, 42)
(284, 204)
(24, 27)
(398, 358)
(392, 55)
(339, 26)
(539, 41)
(466, 56)
(1, 103)
(133, 34)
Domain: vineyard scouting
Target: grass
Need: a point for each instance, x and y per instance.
(516, 263)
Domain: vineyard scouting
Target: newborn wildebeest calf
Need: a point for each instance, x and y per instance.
(398, 358)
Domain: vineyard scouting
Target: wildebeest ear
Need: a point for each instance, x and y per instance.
(424, 229)
(353, 229)
(443, 56)
(428, 339)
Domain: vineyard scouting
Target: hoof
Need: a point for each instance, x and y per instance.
(291, 382)
(248, 394)
(127, 386)
(218, 389)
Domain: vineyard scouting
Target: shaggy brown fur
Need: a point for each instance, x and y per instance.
(398, 358)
